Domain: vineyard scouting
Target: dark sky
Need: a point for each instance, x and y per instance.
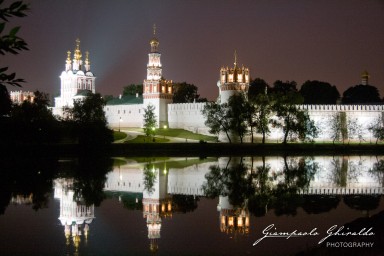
(326, 40)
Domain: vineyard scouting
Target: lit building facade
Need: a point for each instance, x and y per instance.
(76, 80)
(129, 111)
(18, 97)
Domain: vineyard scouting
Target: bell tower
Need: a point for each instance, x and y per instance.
(157, 90)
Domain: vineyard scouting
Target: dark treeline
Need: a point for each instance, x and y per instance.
(32, 122)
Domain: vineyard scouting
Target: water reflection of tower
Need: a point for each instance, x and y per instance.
(233, 220)
(75, 216)
(156, 205)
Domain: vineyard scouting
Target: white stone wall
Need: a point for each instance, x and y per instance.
(187, 116)
(124, 115)
(364, 115)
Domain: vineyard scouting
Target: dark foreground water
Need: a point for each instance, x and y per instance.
(190, 206)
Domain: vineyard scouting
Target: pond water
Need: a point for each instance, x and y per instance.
(323, 205)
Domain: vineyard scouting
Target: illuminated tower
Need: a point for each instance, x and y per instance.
(233, 80)
(157, 90)
(76, 80)
(364, 78)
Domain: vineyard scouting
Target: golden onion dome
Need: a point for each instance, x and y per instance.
(154, 41)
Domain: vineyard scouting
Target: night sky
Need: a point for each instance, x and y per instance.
(331, 41)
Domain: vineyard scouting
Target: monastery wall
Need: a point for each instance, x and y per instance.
(363, 115)
(187, 116)
(124, 115)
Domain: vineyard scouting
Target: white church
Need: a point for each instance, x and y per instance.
(77, 79)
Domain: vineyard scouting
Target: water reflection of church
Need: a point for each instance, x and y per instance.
(75, 215)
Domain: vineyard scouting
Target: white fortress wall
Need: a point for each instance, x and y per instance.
(189, 180)
(126, 179)
(124, 115)
(187, 116)
(363, 115)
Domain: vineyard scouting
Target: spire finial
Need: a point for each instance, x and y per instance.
(77, 44)
(235, 59)
(87, 57)
(77, 55)
(69, 56)
(154, 29)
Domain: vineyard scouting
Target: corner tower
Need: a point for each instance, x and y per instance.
(232, 81)
(76, 80)
(157, 90)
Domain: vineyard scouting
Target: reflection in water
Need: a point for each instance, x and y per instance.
(26, 181)
(75, 215)
(245, 186)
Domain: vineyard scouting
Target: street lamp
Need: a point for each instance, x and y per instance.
(165, 127)
(120, 122)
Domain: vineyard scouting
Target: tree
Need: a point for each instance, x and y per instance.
(149, 121)
(132, 89)
(377, 129)
(262, 114)
(88, 121)
(295, 123)
(354, 130)
(338, 126)
(90, 109)
(361, 94)
(316, 92)
(184, 93)
(237, 114)
(10, 42)
(280, 87)
(217, 118)
(37, 117)
(5, 101)
(256, 87)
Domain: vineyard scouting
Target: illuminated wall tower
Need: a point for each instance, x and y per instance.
(76, 80)
(157, 90)
(232, 80)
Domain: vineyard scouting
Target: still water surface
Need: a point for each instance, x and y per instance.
(192, 206)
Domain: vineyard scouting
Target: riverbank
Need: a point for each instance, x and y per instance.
(192, 149)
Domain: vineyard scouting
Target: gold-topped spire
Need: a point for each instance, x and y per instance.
(154, 42)
(77, 55)
(235, 59)
(87, 58)
(69, 56)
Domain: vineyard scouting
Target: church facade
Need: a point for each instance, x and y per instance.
(128, 111)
